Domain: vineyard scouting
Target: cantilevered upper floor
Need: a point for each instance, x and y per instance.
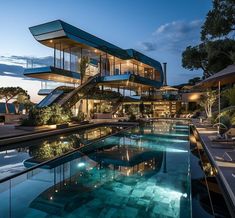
(114, 65)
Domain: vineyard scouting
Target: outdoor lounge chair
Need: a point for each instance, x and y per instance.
(228, 156)
(233, 174)
(228, 136)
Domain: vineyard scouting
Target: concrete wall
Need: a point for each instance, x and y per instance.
(13, 118)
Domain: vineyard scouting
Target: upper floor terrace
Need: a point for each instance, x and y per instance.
(112, 63)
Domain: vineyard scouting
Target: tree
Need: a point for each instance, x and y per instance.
(28, 105)
(10, 93)
(211, 56)
(194, 58)
(21, 99)
(230, 95)
(217, 49)
(194, 80)
(207, 100)
(84, 63)
(220, 21)
(220, 54)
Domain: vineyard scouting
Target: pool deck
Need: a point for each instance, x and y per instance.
(9, 135)
(226, 169)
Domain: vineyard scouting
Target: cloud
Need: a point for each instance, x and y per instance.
(14, 66)
(173, 37)
(41, 61)
(149, 46)
(11, 70)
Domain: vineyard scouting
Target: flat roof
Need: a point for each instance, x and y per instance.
(68, 35)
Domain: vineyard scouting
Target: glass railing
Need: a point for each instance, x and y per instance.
(53, 85)
(22, 192)
(17, 195)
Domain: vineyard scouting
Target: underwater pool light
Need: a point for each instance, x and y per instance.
(175, 150)
(81, 164)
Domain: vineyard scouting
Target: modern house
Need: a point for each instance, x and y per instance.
(94, 75)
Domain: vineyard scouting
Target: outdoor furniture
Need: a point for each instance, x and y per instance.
(222, 139)
(231, 132)
(233, 174)
(228, 136)
(228, 156)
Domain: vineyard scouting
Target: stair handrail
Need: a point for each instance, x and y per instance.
(117, 105)
(69, 95)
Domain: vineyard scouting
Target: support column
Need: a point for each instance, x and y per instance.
(54, 60)
(100, 64)
(114, 66)
(60, 56)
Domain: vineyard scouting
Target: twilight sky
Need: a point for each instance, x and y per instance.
(160, 29)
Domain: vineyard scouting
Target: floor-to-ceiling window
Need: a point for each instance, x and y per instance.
(58, 55)
(93, 62)
(127, 67)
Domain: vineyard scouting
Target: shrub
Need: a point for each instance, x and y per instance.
(229, 94)
(59, 115)
(2, 119)
(38, 116)
(80, 116)
(226, 121)
(54, 114)
(132, 117)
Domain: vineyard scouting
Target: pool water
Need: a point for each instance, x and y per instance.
(21, 156)
(143, 172)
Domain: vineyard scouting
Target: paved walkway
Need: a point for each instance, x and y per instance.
(10, 131)
(217, 151)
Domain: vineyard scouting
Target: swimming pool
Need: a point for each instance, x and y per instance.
(143, 172)
(22, 155)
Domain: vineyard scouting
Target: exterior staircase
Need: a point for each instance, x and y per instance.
(55, 96)
(78, 93)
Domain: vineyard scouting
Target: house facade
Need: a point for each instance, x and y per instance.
(93, 75)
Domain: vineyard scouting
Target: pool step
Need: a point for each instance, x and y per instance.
(181, 126)
(169, 136)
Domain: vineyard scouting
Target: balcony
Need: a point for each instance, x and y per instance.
(53, 74)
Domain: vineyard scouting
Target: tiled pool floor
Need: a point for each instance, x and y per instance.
(130, 176)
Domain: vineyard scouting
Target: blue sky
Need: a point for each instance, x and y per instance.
(160, 29)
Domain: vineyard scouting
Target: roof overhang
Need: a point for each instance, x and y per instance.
(225, 77)
(53, 73)
(130, 80)
(70, 36)
(134, 158)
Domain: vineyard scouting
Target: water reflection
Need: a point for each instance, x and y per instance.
(88, 176)
(27, 154)
(132, 173)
